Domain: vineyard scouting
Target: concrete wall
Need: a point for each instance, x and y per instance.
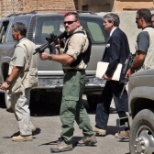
(128, 25)
(125, 5)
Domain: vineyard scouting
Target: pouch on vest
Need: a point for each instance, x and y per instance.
(31, 79)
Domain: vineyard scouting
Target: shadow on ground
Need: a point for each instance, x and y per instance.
(2, 102)
(48, 104)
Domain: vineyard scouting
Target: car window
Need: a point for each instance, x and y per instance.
(24, 20)
(95, 30)
(46, 26)
(46, 29)
(3, 29)
(50, 24)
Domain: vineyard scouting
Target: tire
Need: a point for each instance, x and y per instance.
(142, 133)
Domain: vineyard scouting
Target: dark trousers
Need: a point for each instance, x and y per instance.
(112, 89)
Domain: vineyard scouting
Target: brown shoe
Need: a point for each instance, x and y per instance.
(122, 135)
(21, 138)
(88, 141)
(61, 147)
(100, 132)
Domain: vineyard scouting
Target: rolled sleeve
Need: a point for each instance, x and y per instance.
(142, 42)
(76, 45)
(19, 57)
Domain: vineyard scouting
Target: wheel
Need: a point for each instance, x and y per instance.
(7, 98)
(142, 133)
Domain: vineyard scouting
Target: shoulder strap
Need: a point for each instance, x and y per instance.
(66, 48)
(76, 33)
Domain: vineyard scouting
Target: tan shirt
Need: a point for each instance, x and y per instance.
(23, 57)
(77, 43)
(149, 59)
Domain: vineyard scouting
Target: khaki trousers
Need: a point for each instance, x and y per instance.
(20, 106)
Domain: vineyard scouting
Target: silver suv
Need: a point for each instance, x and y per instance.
(39, 26)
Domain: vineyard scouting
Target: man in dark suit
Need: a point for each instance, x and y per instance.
(117, 51)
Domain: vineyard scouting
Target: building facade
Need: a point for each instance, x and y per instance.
(20, 6)
(8, 7)
(114, 5)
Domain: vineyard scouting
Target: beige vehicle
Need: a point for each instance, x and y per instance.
(39, 26)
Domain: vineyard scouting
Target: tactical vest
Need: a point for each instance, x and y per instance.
(85, 56)
(28, 75)
(149, 59)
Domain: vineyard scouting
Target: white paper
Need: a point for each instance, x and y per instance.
(102, 67)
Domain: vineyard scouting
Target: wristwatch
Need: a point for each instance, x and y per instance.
(8, 82)
(50, 57)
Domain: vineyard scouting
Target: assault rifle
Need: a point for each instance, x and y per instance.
(127, 65)
(50, 40)
(123, 121)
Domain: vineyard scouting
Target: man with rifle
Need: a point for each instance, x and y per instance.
(144, 55)
(145, 43)
(74, 60)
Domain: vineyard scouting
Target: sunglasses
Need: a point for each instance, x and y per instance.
(69, 22)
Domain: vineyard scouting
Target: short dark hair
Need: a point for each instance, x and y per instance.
(20, 27)
(72, 13)
(112, 17)
(145, 14)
